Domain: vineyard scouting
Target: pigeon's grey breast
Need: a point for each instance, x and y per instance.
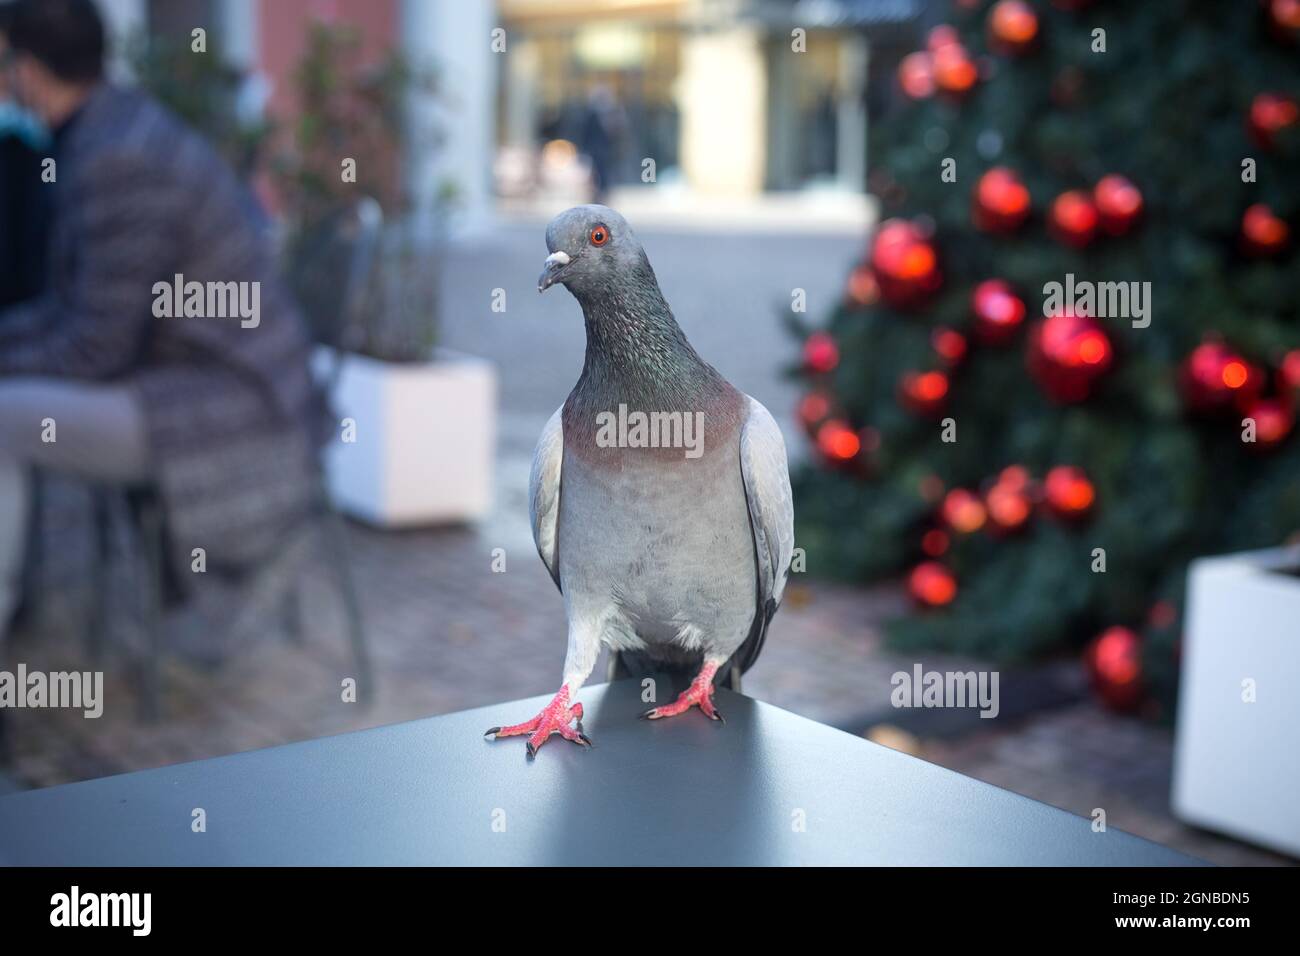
(656, 544)
(676, 555)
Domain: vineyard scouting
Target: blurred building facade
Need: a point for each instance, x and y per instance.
(727, 97)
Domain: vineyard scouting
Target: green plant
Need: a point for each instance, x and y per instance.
(348, 143)
(403, 326)
(204, 91)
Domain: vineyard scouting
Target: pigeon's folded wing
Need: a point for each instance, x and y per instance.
(766, 474)
(544, 492)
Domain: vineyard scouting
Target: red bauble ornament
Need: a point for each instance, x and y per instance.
(1262, 233)
(1163, 614)
(862, 288)
(1119, 203)
(1009, 506)
(1274, 419)
(813, 410)
(923, 393)
(1014, 476)
(931, 584)
(894, 234)
(1013, 25)
(837, 441)
(905, 264)
(941, 36)
(1073, 218)
(949, 345)
(916, 75)
(1284, 19)
(999, 312)
(935, 542)
(1068, 492)
(820, 353)
(1214, 378)
(951, 68)
(955, 72)
(1001, 202)
(1114, 664)
(1270, 114)
(963, 511)
(1289, 372)
(1067, 353)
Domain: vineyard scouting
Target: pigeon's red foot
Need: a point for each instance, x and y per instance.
(554, 719)
(699, 693)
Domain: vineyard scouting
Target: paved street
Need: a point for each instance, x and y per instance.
(447, 633)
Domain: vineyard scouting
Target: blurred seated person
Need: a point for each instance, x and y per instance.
(119, 372)
(24, 143)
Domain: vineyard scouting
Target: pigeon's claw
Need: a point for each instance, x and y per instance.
(555, 718)
(699, 694)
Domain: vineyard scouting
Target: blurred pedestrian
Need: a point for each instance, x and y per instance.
(603, 125)
(163, 351)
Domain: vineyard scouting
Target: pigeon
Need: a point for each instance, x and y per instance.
(660, 494)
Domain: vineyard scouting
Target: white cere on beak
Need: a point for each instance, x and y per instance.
(555, 262)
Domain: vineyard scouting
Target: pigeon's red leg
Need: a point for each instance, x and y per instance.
(700, 692)
(554, 719)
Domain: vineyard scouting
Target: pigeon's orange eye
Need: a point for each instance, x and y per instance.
(599, 236)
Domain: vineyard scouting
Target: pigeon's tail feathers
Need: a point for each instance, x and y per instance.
(766, 474)
(746, 656)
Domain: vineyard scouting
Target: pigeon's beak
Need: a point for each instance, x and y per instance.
(555, 264)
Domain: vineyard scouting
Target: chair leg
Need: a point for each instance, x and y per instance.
(34, 564)
(292, 614)
(151, 535)
(336, 542)
(98, 626)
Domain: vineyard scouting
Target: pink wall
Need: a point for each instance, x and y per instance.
(282, 29)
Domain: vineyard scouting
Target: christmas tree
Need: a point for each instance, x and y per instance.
(1069, 362)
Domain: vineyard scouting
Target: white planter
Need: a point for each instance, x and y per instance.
(1237, 764)
(424, 441)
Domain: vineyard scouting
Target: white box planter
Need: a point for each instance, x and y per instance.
(425, 437)
(1237, 764)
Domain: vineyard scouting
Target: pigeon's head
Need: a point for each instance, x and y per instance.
(591, 247)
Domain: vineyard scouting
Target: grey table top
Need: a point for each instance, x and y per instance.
(768, 787)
